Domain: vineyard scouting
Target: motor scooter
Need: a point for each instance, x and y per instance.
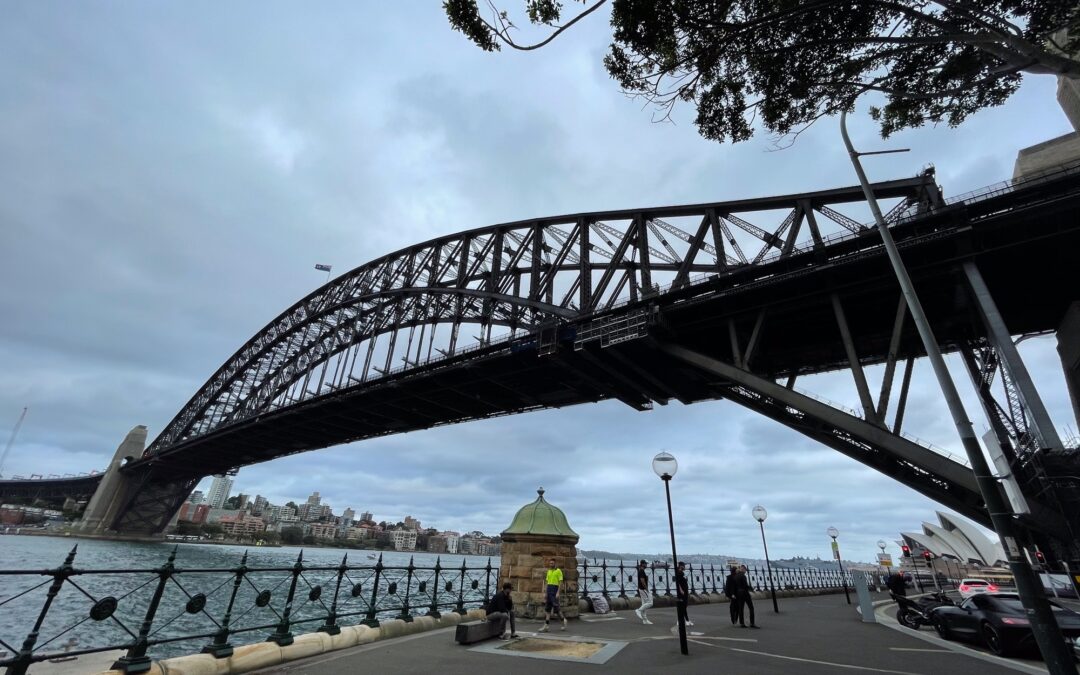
(915, 614)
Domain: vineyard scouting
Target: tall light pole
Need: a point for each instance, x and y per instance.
(881, 544)
(665, 466)
(834, 533)
(1047, 633)
(760, 514)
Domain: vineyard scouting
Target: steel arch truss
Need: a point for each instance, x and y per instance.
(409, 307)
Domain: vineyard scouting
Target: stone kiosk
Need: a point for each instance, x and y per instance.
(539, 532)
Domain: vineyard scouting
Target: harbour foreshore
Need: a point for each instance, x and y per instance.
(248, 658)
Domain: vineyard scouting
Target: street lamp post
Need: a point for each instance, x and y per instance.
(834, 533)
(665, 466)
(881, 563)
(1044, 627)
(760, 514)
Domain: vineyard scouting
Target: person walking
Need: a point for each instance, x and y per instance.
(643, 593)
(682, 593)
(742, 592)
(729, 591)
(554, 579)
(501, 610)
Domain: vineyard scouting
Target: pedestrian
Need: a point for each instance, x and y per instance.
(682, 593)
(742, 592)
(501, 610)
(643, 593)
(554, 580)
(896, 584)
(729, 591)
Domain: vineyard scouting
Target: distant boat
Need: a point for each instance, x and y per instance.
(372, 556)
(660, 565)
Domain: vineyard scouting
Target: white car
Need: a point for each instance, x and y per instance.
(970, 587)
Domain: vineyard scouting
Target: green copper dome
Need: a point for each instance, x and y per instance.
(540, 517)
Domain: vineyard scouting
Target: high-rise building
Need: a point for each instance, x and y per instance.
(196, 497)
(348, 514)
(261, 504)
(366, 515)
(219, 491)
(314, 499)
(411, 523)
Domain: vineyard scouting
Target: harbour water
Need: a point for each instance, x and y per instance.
(107, 562)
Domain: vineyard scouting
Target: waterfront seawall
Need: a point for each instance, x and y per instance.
(248, 658)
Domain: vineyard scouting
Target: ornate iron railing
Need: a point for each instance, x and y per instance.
(172, 610)
(137, 610)
(619, 578)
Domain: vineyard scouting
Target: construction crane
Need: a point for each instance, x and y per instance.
(11, 441)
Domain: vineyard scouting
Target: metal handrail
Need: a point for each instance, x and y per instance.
(222, 604)
(619, 578)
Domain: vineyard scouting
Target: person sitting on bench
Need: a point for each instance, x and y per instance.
(501, 609)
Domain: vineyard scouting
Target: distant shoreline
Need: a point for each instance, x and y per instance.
(67, 534)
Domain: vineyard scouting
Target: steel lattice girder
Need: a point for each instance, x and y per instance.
(599, 354)
(517, 276)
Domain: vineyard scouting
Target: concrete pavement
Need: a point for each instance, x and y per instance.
(818, 634)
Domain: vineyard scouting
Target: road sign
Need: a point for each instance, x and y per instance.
(835, 550)
(884, 559)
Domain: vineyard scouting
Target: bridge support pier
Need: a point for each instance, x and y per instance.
(108, 497)
(1068, 337)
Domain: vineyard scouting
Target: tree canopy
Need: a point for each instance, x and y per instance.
(785, 63)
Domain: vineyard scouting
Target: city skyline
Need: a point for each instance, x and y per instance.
(168, 191)
(315, 498)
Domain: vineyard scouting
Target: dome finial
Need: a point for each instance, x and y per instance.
(540, 492)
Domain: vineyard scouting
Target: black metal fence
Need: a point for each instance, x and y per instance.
(619, 578)
(144, 610)
(172, 610)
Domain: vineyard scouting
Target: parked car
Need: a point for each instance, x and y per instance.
(999, 621)
(970, 587)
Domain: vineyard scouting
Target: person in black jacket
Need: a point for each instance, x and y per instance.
(729, 591)
(896, 583)
(682, 593)
(742, 592)
(501, 609)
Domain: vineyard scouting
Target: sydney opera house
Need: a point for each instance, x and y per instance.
(957, 539)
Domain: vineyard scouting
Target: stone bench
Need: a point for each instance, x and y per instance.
(476, 631)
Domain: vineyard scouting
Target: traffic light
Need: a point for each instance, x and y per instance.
(926, 556)
(906, 549)
(1040, 557)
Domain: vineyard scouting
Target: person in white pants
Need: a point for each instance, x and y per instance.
(643, 593)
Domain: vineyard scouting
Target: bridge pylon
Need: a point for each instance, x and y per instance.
(109, 496)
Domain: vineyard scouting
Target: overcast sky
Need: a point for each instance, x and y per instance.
(171, 172)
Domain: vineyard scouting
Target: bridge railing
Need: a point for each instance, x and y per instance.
(618, 578)
(172, 610)
(1011, 185)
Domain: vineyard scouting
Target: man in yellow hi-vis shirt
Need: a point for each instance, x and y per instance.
(554, 578)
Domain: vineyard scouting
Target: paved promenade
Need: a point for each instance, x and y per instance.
(820, 634)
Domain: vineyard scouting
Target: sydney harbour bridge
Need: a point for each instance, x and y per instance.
(648, 306)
